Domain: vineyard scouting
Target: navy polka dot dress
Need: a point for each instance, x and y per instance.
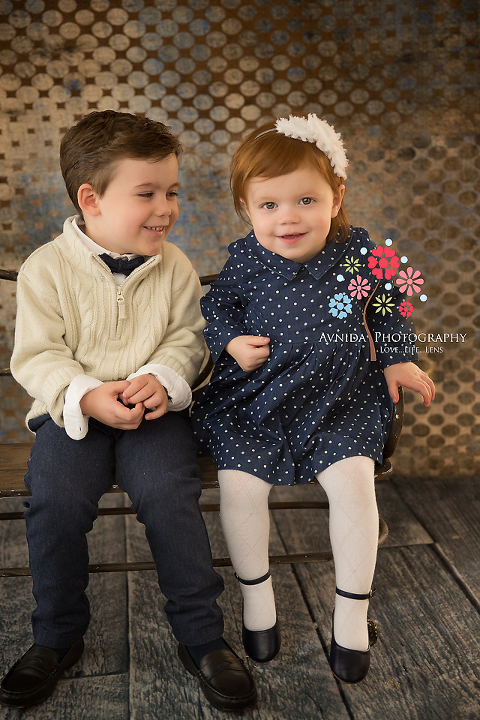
(318, 398)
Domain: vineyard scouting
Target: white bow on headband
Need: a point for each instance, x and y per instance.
(318, 131)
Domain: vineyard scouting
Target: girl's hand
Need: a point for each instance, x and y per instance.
(249, 351)
(409, 375)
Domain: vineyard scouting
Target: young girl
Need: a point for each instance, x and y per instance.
(299, 390)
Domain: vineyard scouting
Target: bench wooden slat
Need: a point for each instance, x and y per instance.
(217, 562)
(13, 466)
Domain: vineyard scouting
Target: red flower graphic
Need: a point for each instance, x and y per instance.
(383, 262)
(405, 308)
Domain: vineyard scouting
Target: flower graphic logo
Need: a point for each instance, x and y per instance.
(383, 263)
(340, 306)
(405, 308)
(352, 265)
(359, 287)
(384, 304)
(410, 281)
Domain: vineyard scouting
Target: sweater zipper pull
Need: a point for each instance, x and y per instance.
(121, 305)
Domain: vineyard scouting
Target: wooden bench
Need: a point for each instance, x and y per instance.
(13, 466)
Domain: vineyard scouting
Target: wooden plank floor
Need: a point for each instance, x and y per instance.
(425, 666)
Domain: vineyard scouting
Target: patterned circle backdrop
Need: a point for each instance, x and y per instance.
(399, 80)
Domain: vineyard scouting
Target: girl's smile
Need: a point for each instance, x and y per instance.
(291, 214)
(292, 238)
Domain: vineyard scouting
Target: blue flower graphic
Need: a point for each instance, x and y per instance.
(340, 306)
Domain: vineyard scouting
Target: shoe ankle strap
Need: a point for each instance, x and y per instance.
(254, 582)
(354, 596)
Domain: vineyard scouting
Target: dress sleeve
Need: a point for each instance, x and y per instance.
(223, 309)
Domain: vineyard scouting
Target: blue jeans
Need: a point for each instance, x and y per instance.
(156, 466)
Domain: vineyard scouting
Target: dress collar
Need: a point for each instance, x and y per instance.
(317, 266)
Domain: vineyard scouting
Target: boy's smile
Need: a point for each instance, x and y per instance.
(291, 214)
(137, 210)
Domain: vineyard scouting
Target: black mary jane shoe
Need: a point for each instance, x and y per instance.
(351, 666)
(223, 678)
(260, 645)
(34, 677)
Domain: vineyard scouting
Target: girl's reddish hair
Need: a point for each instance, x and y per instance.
(268, 153)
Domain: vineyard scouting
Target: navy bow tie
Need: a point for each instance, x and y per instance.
(119, 265)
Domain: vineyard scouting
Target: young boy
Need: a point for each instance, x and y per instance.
(108, 342)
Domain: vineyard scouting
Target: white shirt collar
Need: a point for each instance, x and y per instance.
(91, 244)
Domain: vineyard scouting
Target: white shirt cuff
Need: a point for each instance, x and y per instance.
(76, 424)
(178, 390)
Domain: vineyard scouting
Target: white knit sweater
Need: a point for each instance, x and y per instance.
(73, 319)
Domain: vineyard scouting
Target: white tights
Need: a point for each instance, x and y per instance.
(246, 526)
(349, 485)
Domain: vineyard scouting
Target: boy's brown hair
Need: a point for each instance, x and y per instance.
(90, 150)
(268, 153)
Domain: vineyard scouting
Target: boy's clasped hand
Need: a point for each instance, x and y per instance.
(143, 396)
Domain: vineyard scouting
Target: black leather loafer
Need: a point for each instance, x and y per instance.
(261, 645)
(34, 677)
(223, 678)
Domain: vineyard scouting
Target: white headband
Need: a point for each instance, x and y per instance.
(318, 131)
